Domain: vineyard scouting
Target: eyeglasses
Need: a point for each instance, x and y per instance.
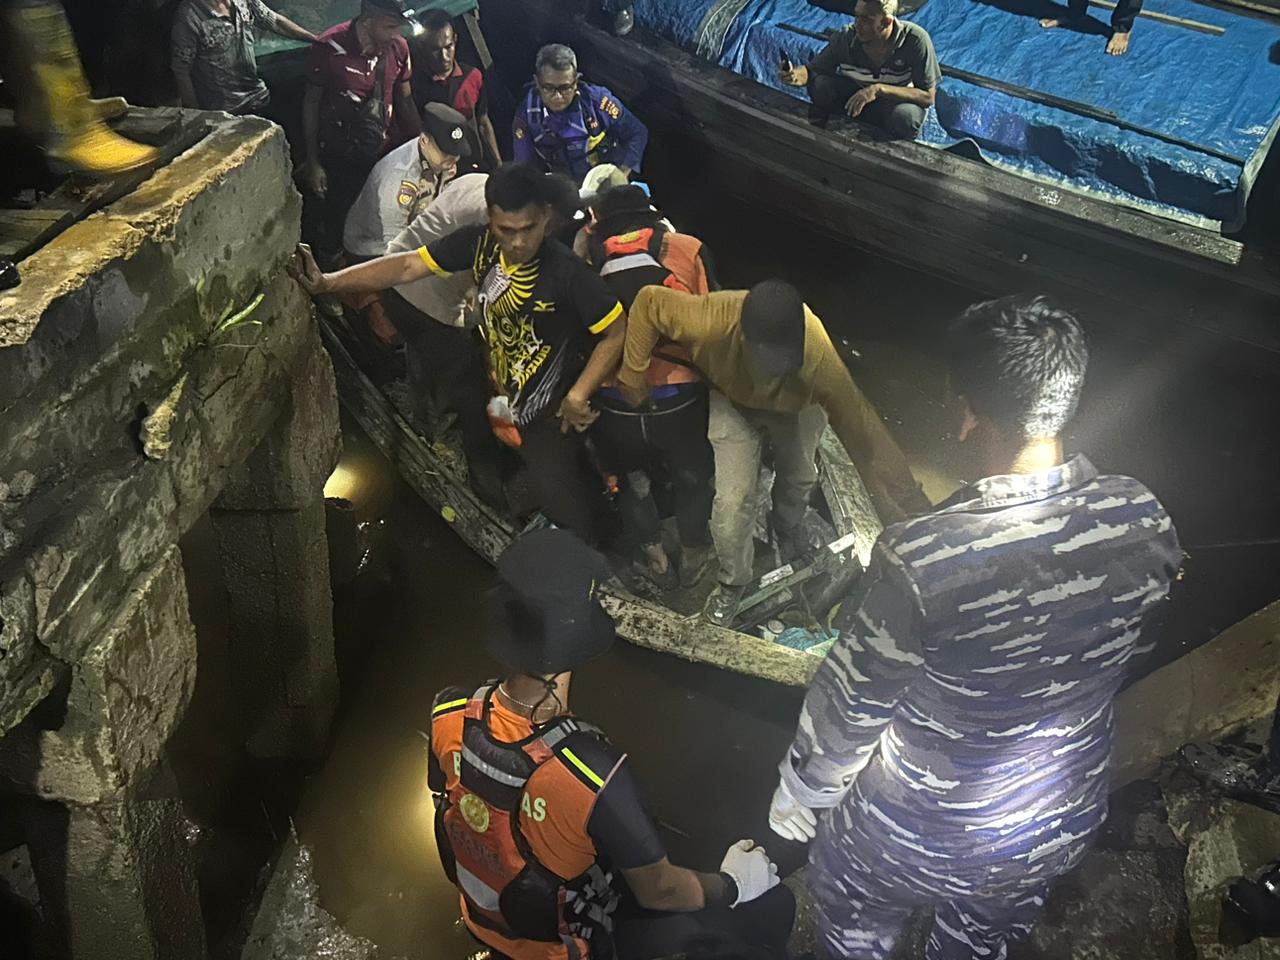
(563, 90)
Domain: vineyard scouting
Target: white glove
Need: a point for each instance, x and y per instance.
(751, 869)
(790, 819)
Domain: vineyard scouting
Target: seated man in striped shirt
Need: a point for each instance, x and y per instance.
(880, 70)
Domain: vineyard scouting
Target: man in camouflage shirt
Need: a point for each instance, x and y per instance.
(955, 741)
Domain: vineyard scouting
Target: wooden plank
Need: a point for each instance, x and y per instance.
(640, 622)
(20, 228)
(423, 466)
(1197, 25)
(472, 23)
(847, 499)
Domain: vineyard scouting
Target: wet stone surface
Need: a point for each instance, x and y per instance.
(292, 924)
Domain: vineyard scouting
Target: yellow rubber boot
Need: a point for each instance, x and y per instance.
(56, 108)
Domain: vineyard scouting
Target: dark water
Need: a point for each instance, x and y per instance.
(1201, 435)
(704, 744)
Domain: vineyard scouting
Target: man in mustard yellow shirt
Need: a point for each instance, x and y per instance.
(777, 378)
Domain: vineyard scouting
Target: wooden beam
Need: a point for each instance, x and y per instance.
(172, 131)
(1197, 25)
(477, 38)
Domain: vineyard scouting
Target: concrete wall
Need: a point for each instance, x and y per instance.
(127, 407)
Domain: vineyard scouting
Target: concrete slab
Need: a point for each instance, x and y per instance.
(1216, 689)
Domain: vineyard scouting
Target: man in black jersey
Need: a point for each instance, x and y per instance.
(553, 331)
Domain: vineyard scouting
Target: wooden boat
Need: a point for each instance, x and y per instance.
(1179, 287)
(435, 472)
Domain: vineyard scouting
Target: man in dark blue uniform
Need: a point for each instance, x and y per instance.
(956, 739)
(567, 126)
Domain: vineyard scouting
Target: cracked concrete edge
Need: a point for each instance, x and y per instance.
(126, 695)
(124, 334)
(150, 212)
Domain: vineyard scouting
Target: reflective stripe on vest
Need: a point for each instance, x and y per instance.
(490, 771)
(629, 262)
(479, 892)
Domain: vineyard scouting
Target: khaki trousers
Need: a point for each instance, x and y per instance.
(737, 435)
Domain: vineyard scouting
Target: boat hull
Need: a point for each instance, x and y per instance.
(1179, 288)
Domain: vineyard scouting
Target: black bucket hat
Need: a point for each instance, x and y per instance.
(544, 615)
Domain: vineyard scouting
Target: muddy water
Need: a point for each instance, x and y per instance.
(703, 743)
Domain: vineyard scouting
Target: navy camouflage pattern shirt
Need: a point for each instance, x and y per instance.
(968, 699)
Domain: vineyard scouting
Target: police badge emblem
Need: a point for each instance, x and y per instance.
(475, 812)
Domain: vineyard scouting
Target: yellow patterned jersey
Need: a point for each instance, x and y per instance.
(538, 316)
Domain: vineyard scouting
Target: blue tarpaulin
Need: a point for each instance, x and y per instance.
(1219, 92)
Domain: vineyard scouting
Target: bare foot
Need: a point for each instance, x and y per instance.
(1118, 44)
(1050, 22)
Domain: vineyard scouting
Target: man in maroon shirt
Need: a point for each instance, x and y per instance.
(358, 85)
(440, 78)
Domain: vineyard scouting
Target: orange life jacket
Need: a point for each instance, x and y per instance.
(670, 259)
(504, 888)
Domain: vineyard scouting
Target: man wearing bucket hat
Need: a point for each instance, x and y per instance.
(539, 821)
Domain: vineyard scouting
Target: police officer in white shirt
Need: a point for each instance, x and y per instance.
(404, 182)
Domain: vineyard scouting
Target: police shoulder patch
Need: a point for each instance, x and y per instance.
(408, 192)
(610, 107)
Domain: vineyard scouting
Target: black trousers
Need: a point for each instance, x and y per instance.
(446, 371)
(445, 364)
(828, 94)
(565, 485)
(669, 442)
(1122, 16)
(754, 931)
(324, 217)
